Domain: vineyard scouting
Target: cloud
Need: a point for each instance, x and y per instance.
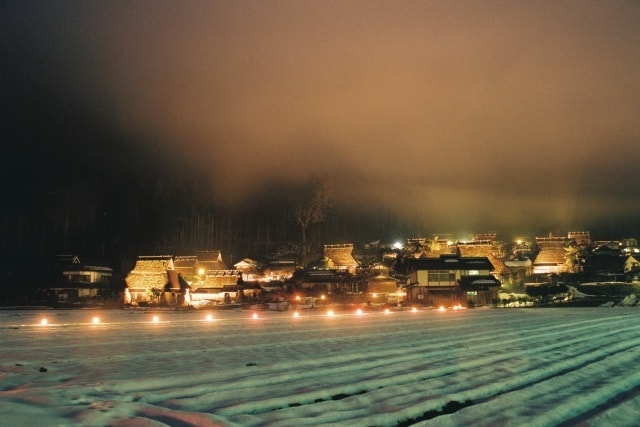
(480, 115)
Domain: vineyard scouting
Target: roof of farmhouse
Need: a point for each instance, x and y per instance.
(341, 255)
(447, 262)
(149, 271)
(551, 251)
(482, 249)
(211, 260)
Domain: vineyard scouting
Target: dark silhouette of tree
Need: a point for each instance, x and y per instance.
(312, 208)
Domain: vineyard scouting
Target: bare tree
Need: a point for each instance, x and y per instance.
(312, 209)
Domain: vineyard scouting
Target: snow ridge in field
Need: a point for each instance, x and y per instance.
(481, 367)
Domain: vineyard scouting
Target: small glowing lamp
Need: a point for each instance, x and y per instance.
(359, 311)
(387, 311)
(255, 315)
(155, 319)
(44, 321)
(441, 308)
(95, 319)
(295, 314)
(209, 318)
(414, 309)
(330, 313)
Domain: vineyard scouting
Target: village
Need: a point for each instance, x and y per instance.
(421, 272)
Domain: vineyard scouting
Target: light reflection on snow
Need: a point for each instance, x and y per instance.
(411, 365)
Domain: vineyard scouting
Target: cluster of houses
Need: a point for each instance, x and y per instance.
(426, 272)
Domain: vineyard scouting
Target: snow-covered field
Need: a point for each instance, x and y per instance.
(481, 367)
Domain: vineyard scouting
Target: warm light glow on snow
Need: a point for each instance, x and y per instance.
(44, 321)
(255, 316)
(414, 309)
(387, 311)
(330, 313)
(441, 308)
(95, 319)
(155, 319)
(209, 318)
(482, 365)
(359, 311)
(295, 314)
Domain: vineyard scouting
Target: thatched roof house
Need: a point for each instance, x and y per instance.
(249, 268)
(280, 269)
(211, 260)
(341, 257)
(149, 276)
(484, 248)
(215, 279)
(430, 248)
(551, 258)
(186, 266)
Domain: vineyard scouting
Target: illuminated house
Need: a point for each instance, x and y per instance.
(182, 280)
(384, 289)
(147, 281)
(631, 263)
(187, 267)
(551, 257)
(341, 258)
(248, 268)
(219, 284)
(181, 272)
(81, 284)
(211, 260)
(430, 248)
(79, 273)
(486, 248)
(319, 282)
(449, 280)
(280, 270)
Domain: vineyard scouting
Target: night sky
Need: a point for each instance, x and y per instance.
(517, 117)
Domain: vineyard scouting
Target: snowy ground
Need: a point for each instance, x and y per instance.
(484, 367)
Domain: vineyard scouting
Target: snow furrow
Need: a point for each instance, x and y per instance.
(374, 369)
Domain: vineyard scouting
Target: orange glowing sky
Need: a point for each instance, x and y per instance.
(458, 114)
